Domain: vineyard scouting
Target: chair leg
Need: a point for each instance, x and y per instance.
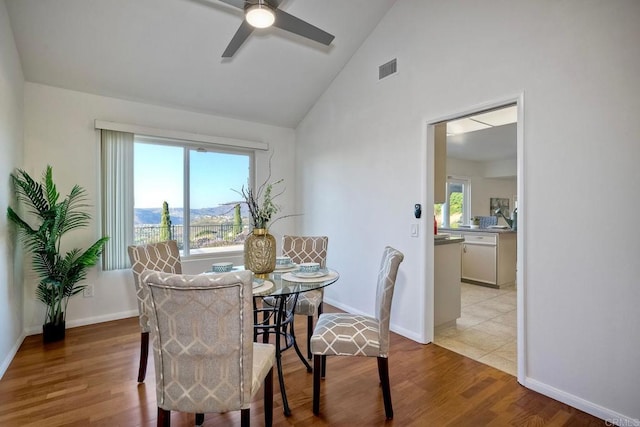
(317, 361)
(199, 419)
(383, 372)
(144, 355)
(245, 417)
(164, 417)
(324, 367)
(309, 333)
(268, 399)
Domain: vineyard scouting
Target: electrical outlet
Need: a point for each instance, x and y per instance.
(88, 291)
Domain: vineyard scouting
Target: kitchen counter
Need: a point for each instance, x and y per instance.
(489, 255)
(450, 239)
(477, 230)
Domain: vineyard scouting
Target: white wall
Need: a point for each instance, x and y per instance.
(501, 168)
(483, 188)
(11, 143)
(577, 63)
(59, 130)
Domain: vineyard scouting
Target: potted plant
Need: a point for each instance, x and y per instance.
(260, 246)
(60, 273)
(475, 222)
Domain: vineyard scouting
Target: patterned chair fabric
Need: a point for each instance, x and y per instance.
(306, 249)
(356, 335)
(344, 334)
(201, 330)
(163, 256)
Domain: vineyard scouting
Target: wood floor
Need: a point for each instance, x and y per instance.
(90, 380)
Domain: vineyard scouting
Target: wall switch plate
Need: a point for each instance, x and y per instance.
(88, 291)
(414, 230)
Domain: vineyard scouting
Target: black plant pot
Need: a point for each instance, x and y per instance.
(52, 332)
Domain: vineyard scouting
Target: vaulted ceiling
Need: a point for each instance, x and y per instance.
(168, 52)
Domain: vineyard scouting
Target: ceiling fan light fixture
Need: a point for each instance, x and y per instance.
(260, 15)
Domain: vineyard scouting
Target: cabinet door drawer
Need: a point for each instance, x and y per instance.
(481, 238)
(479, 263)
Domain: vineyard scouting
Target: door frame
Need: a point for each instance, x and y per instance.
(427, 237)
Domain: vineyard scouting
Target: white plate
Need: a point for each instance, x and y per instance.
(285, 267)
(323, 272)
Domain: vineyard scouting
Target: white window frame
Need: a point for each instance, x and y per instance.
(172, 137)
(187, 148)
(466, 200)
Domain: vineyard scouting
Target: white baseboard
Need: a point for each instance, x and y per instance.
(34, 330)
(7, 361)
(413, 336)
(394, 328)
(343, 307)
(610, 417)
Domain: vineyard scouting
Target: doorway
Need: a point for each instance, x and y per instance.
(490, 328)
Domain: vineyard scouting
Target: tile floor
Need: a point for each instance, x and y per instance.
(486, 331)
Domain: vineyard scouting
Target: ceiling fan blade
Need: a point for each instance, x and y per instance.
(237, 3)
(240, 36)
(298, 26)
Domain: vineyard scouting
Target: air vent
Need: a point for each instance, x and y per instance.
(387, 69)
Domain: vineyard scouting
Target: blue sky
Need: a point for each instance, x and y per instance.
(158, 176)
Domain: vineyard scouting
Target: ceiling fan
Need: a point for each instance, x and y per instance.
(265, 13)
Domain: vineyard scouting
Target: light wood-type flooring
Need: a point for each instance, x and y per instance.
(90, 380)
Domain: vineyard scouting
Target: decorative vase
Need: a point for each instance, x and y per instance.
(52, 332)
(260, 251)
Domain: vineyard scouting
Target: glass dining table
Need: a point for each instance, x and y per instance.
(276, 319)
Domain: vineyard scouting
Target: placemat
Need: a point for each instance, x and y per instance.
(264, 288)
(289, 277)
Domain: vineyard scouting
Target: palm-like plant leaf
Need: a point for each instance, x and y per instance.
(59, 275)
(50, 187)
(30, 192)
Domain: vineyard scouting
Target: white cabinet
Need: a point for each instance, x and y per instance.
(479, 260)
(446, 298)
(489, 258)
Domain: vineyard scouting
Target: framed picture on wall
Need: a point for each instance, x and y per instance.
(498, 203)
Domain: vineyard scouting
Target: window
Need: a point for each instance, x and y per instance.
(156, 189)
(186, 193)
(456, 210)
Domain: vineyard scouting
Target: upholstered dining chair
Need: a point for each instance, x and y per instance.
(306, 249)
(344, 334)
(165, 257)
(204, 356)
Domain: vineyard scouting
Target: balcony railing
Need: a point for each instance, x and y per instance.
(200, 236)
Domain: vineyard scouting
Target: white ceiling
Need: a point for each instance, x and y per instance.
(485, 145)
(484, 137)
(168, 52)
